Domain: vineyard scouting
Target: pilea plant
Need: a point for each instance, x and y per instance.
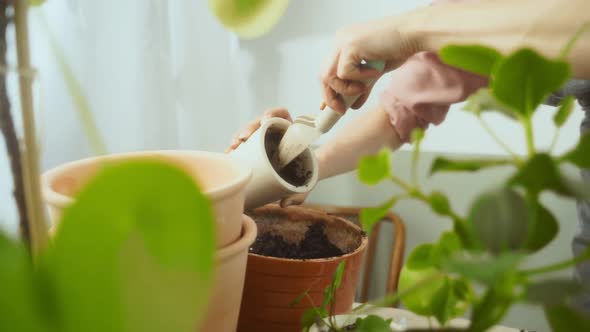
(477, 267)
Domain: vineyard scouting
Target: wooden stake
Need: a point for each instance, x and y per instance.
(30, 155)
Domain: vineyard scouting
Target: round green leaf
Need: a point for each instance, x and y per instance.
(249, 18)
(499, 219)
(370, 216)
(419, 300)
(580, 155)
(372, 323)
(376, 168)
(135, 251)
(565, 319)
(421, 257)
(524, 79)
(545, 229)
(474, 58)
(22, 305)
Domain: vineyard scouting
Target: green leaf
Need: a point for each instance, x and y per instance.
(442, 164)
(448, 244)
(376, 168)
(249, 19)
(372, 215)
(135, 251)
(421, 257)
(311, 316)
(439, 203)
(486, 269)
(34, 3)
(443, 302)
(22, 305)
(474, 58)
(551, 292)
(419, 299)
(544, 229)
(562, 318)
(580, 155)
(499, 220)
(489, 311)
(338, 275)
(524, 79)
(373, 323)
(483, 101)
(564, 111)
(541, 173)
(299, 298)
(461, 289)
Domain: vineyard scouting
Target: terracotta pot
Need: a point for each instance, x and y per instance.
(273, 283)
(222, 179)
(224, 307)
(268, 185)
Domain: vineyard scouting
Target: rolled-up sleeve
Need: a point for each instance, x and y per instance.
(421, 91)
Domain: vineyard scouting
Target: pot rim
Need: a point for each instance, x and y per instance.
(60, 200)
(249, 232)
(318, 214)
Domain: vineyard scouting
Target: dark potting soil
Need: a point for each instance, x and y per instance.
(314, 245)
(294, 173)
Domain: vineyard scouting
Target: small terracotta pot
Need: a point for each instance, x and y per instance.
(226, 297)
(273, 283)
(221, 178)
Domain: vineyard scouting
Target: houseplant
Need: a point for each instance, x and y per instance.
(478, 265)
(297, 252)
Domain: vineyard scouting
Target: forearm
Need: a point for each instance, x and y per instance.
(544, 25)
(364, 136)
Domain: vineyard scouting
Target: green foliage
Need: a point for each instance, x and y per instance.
(564, 111)
(483, 268)
(474, 58)
(499, 220)
(372, 323)
(483, 101)
(372, 215)
(524, 79)
(504, 225)
(442, 164)
(133, 253)
(374, 169)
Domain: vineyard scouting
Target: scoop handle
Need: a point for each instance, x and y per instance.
(328, 117)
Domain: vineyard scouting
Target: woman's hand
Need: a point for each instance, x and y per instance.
(243, 135)
(381, 40)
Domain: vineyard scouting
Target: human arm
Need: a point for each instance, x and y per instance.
(544, 25)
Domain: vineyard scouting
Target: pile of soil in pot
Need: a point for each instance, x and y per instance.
(294, 172)
(295, 233)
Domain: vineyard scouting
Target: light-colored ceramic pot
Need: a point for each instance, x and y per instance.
(273, 283)
(222, 179)
(267, 185)
(224, 307)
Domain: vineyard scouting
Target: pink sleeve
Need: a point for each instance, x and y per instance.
(421, 91)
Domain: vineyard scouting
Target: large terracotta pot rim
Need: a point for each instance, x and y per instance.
(249, 232)
(61, 200)
(361, 247)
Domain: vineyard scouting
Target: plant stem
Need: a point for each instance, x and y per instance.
(559, 266)
(31, 178)
(9, 133)
(554, 141)
(497, 139)
(393, 298)
(530, 140)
